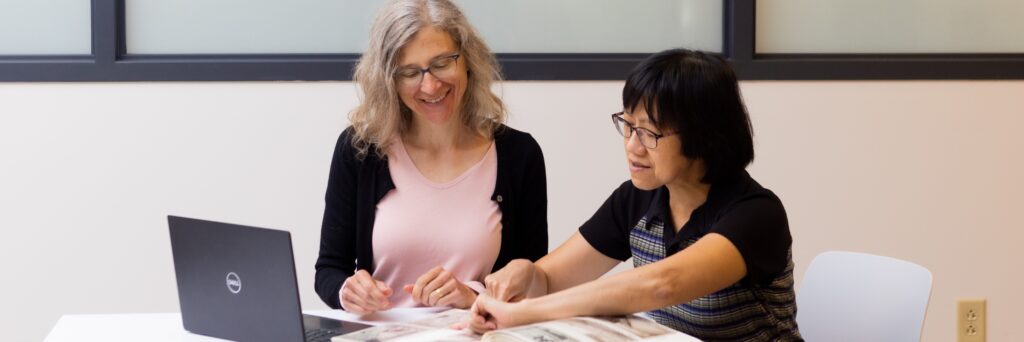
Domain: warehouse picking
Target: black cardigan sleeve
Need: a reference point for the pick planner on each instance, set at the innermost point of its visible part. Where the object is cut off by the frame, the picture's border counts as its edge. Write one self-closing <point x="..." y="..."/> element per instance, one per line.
<point x="535" y="210"/>
<point x="525" y="231"/>
<point x="338" y="231"/>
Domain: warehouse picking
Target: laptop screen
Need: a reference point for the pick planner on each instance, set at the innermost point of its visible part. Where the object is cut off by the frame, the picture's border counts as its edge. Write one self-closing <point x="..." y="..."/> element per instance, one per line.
<point x="236" y="282"/>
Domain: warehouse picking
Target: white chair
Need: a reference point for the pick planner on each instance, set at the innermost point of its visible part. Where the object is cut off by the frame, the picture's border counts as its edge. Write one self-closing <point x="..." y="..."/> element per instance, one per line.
<point x="847" y="296"/>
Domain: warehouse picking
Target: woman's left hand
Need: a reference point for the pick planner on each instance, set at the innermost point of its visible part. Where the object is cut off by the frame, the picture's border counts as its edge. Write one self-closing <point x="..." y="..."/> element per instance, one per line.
<point x="489" y="314"/>
<point x="438" y="287"/>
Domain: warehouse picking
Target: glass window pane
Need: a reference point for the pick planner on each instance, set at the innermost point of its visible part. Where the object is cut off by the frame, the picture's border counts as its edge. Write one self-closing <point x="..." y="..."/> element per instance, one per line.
<point x="45" y="27"/>
<point x="594" y="26"/>
<point x="247" y="26"/>
<point x="887" y="26"/>
<point x="342" y="26"/>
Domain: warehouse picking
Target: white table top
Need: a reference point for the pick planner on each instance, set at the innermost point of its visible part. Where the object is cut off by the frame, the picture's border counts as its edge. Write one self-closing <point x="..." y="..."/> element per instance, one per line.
<point x="168" y="327"/>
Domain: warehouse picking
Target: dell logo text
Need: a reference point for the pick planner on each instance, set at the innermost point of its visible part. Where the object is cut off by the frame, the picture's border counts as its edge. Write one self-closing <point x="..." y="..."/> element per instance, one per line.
<point x="234" y="282"/>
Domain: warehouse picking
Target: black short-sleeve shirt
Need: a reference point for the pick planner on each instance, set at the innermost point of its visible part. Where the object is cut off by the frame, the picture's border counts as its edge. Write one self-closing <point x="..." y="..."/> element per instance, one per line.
<point x="759" y="307"/>
<point x="743" y="211"/>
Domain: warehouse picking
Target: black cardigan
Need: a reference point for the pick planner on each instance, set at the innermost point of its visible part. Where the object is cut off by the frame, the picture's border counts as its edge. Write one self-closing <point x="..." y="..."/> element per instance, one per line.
<point x="355" y="186"/>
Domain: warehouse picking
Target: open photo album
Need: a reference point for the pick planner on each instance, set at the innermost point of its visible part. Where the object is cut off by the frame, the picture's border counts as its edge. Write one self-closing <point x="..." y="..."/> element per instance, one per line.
<point x="584" y="329"/>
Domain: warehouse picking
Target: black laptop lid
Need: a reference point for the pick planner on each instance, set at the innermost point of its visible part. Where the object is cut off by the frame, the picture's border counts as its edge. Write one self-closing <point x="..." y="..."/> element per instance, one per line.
<point x="236" y="282"/>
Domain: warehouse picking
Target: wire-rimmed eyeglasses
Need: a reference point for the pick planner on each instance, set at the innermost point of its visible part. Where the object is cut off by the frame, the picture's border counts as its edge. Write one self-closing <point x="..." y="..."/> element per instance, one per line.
<point x="647" y="138"/>
<point x="443" y="68"/>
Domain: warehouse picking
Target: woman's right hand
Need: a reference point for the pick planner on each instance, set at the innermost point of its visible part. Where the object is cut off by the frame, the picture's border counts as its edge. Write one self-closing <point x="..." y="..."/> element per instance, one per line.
<point x="363" y="295"/>
<point x="512" y="283"/>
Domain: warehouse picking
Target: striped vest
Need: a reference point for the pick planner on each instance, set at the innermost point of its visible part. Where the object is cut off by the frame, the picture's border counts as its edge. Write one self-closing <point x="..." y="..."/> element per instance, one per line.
<point x="739" y="312"/>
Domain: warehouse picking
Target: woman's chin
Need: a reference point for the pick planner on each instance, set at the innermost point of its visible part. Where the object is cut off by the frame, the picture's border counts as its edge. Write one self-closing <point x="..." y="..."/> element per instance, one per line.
<point x="436" y="117"/>
<point x="643" y="184"/>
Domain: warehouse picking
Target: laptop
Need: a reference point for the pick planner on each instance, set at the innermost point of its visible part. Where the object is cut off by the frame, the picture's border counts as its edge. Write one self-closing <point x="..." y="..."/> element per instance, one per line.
<point x="238" y="283"/>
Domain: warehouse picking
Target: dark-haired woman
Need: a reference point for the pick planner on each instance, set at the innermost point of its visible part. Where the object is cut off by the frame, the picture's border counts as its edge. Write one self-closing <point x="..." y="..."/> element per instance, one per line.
<point x="711" y="247"/>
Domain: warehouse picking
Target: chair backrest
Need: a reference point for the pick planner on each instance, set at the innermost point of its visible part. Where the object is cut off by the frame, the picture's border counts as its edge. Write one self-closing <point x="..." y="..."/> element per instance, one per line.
<point x="847" y="296"/>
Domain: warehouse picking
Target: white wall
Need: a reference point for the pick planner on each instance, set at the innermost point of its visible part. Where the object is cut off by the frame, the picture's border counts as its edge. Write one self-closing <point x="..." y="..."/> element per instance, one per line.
<point x="924" y="171"/>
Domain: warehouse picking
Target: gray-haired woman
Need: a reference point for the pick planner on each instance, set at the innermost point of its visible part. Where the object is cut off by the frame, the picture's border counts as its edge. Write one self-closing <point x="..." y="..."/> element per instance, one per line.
<point x="428" y="192"/>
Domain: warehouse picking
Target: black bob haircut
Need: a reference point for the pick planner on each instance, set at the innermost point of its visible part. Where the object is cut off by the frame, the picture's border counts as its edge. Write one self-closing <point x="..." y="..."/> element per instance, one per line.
<point x="696" y="95"/>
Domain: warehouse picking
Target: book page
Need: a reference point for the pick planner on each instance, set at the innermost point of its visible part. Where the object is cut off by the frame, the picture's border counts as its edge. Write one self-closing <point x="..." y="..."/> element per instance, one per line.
<point x="584" y="329"/>
<point x="385" y="332"/>
<point x="637" y="326"/>
<point x="532" y="333"/>
<point x="444" y="320"/>
<point x="591" y="329"/>
<point x="596" y="330"/>
<point x="434" y="328"/>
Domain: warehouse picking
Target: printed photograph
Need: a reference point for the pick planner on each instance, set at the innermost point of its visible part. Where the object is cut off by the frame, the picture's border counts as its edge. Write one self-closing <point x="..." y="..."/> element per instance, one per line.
<point x="444" y="319"/>
<point x="596" y="330"/>
<point x="382" y="333"/>
<point x="539" y="334"/>
<point x="640" y="327"/>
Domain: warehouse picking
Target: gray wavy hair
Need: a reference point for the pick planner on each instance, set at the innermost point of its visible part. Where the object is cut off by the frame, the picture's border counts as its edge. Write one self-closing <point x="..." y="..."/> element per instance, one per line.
<point x="381" y="114"/>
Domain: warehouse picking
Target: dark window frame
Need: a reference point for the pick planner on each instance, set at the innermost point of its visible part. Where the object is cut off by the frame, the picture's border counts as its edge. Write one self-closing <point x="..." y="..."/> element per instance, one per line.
<point x="750" y="65"/>
<point x="109" y="61"/>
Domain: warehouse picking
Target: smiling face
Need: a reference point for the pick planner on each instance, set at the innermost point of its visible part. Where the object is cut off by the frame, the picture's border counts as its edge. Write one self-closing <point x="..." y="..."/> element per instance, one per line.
<point x="650" y="169"/>
<point x="435" y="100"/>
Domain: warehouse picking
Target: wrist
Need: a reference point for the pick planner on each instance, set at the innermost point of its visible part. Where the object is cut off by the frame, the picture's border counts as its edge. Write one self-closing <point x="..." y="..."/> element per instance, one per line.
<point x="538" y="282"/>
<point x="522" y="262"/>
<point x="471" y="299"/>
<point x="341" y="294"/>
<point x="468" y="296"/>
<point x="529" y="311"/>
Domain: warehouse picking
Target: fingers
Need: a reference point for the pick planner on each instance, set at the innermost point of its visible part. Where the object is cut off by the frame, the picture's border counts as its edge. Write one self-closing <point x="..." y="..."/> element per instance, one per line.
<point x="364" y="294"/>
<point x="498" y="289"/>
<point x="384" y="289"/>
<point x="371" y="290"/>
<point x="511" y="282"/>
<point x="460" y="296"/>
<point x="447" y="290"/>
<point x="492" y="285"/>
<point x="438" y="287"/>
<point x="434" y="285"/>
<point x="446" y="295"/>
<point x="354" y="303"/>
<point x="480" y="321"/>
<point x="476" y="319"/>
<point x="422" y="281"/>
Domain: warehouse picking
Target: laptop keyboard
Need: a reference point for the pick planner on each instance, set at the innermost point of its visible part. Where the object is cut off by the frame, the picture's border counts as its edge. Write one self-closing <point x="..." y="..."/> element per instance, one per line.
<point x="321" y="335"/>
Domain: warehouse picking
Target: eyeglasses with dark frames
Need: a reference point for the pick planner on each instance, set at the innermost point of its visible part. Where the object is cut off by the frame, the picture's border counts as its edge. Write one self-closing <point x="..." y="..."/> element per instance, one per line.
<point x="647" y="137"/>
<point x="442" y="68"/>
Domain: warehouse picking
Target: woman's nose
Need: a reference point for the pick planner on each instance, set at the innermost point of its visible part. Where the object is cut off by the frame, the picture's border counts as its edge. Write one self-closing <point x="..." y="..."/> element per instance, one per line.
<point x="429" y="84"/>
<point x="633" y="144"/>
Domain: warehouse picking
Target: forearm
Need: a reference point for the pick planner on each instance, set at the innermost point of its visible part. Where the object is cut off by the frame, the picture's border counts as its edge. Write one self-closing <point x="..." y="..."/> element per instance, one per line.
<point x="539" y="285"/>
<point x="628" y="292"/>
<point x="708" y="265"/>
<point x="573" y="263"/>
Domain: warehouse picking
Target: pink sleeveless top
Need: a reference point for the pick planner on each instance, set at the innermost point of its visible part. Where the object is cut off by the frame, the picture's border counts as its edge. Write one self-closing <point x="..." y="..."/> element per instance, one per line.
<point x="421" y="224"/>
